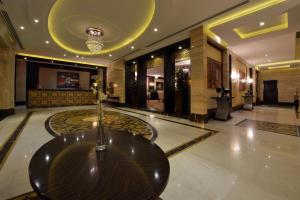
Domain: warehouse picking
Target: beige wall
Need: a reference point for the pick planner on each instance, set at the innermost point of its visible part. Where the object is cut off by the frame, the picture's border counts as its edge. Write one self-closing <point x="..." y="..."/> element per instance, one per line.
<point x="240" y="65"/>
<point x="48" y="78"/>
<point x="20" y="81"/>
<point x="198" y="54"/>
<point x="288" y="83"/>
<point x="215" y="54"/>
<point x="7" y="67"/>
<point x="116" y="74"/>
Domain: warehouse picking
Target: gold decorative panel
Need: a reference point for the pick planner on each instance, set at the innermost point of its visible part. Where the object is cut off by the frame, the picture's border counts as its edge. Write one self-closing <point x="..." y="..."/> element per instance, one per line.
<point x="48" y="98"/>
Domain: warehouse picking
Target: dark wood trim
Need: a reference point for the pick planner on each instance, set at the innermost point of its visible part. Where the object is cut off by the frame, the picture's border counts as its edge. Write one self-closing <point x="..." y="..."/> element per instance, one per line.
<point x="6" y="112"/>
<point x="12" y="140"/>
<point x="169" y="80"/>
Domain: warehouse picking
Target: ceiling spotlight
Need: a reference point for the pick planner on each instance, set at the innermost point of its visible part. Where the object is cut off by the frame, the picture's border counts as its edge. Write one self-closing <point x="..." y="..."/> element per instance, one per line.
<point x="77" y="56"/>
<point x="110" y="55"/>
<point x="134" y="62"/>
<point x="25" y="58"/>
<point x="132" y="47"/>
<point x="152" y="56"/>
<point x="47" y="42"/>
<point x="155" y="29"/>
<point x="36" y="21"/>
<point x="22" y="27"/>
<point x="180" y="47"/>
<point x="262" y="23"/>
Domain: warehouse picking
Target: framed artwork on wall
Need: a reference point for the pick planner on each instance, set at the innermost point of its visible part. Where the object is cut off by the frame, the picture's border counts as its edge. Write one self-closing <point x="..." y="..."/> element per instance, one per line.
<point x="214" y="73"/>
<point x="67" y="80"/>
<point x="242" y="83"/>
<point x="159" y="86"/>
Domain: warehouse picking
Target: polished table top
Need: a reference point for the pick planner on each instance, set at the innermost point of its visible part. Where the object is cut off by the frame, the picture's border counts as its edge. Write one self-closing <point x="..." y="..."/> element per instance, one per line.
<point x="68" y="167"/>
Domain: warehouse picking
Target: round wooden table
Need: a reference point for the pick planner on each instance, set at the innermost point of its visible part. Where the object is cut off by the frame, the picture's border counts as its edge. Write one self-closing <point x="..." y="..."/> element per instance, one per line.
<point x="68" y="167"/>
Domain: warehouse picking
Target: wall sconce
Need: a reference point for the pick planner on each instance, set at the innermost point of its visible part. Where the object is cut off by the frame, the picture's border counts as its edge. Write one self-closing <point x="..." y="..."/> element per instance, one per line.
<point x="235" y="76"/>
<point x="249" y="80"/>
<point x="135" y="75"/>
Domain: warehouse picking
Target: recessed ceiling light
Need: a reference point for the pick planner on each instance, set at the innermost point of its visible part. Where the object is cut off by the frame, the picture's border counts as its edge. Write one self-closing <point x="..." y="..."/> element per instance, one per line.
<point x="96" y="67"/>
<point x="36" y="21"/>
<point x="155" y="29"/>
<point x="77" y="56"/>
<point x="152" y="56"/>
<point x="262" y="23"/>
<point x="52" y="61"/>
<point x="65" y="55"/>
<point x="180" y="47"/>
<point x="25" y="58"/>
<point x="22" y="27"/>
<point x="47" y="42"/>
<point x="134" y="62"/>
<point x="266" y="55"/>
<point x="132" y="47"/>
<point x="110" y="55"/>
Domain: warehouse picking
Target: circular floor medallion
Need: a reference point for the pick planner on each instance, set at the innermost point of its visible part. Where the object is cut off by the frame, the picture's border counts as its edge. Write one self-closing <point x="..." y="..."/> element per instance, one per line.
<point x="75" y="121"/>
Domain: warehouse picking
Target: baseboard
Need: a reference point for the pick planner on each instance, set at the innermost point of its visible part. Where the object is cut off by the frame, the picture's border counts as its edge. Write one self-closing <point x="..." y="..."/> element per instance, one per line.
<point x="198" y="118"/>
<point x="20" y="103"/>
<point x="6" y="112"/>
<point x="289" y="104"/>
<point x="236" y="108"/>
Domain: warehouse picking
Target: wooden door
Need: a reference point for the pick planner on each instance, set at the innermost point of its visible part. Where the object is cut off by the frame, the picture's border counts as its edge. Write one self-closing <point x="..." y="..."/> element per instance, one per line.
<point x="270" y="92"/>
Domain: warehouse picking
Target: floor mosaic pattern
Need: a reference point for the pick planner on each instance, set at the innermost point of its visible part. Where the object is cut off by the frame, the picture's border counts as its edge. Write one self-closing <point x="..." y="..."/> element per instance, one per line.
<point x="271" y="127"/>
<point x="81" y="120"/>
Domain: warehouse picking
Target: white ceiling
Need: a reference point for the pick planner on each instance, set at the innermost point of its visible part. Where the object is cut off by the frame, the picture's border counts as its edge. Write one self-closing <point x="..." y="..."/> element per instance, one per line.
<point x="278" y="45"/>
<point x="170" y="16"/>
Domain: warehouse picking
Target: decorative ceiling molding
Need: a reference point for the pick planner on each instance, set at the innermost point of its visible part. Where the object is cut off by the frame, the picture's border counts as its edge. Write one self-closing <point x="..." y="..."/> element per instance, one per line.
<point x="236" y="15"/>
<point x="54" y="19"/>
<point x="284" y="24"/>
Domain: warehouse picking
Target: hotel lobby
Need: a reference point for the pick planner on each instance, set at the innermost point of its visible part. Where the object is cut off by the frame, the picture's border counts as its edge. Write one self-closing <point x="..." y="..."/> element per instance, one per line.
<point x="150" y="100"/>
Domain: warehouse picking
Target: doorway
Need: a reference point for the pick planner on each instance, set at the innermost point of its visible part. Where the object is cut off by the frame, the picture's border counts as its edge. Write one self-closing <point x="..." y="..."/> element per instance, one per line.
<point x="270" y="92"/>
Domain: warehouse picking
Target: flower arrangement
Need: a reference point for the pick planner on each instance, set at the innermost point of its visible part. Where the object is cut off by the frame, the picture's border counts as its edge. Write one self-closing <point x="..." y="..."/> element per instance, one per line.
<point x="100" y="96"/>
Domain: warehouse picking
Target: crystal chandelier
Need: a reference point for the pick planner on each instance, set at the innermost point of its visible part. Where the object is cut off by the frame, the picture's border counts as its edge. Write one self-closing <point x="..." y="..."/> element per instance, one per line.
<point x="95" y="40"/>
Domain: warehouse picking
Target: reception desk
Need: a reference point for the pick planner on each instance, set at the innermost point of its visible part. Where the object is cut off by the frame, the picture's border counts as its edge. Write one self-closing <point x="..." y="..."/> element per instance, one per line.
<point x="48" y="98"/>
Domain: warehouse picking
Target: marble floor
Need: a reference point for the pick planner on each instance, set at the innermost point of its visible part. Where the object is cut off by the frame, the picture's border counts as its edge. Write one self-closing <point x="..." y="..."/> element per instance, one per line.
<point x="235" y="163"/>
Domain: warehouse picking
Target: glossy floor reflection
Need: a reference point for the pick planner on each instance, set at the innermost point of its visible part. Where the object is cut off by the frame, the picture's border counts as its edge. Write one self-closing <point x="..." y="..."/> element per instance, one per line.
<point x="236" y="163"/>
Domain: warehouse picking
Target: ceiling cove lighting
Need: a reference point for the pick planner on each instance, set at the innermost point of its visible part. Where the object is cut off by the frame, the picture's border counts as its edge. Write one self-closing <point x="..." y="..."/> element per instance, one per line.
<point x="279" y="27"/>
<point x="241" y="13"/>
<point x="280" y="67"/>
<point x="288" y="62"/>
<point x="56" y="59"/>
<point x="52" y="23"/>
